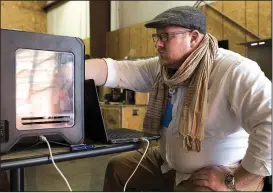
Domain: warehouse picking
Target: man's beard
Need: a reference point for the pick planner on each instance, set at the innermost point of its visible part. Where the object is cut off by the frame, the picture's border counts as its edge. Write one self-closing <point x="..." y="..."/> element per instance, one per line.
<point x="170" y="63"/>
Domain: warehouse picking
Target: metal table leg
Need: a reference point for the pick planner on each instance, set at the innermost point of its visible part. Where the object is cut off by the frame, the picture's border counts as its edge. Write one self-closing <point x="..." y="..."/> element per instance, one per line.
<point x="17" y="180"/>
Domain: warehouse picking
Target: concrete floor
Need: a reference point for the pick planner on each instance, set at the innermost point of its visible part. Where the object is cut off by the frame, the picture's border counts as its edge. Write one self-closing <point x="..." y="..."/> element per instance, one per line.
<point x="83" y="175"/>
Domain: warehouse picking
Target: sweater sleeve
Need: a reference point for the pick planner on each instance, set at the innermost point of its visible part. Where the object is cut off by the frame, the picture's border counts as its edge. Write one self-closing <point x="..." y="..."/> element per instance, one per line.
<point x="250" y="99"/>
<point x="134" y="75"/>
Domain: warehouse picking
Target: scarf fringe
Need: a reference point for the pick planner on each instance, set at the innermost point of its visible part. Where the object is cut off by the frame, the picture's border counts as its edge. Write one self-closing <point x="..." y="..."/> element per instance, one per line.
<point x="191" y="143"/>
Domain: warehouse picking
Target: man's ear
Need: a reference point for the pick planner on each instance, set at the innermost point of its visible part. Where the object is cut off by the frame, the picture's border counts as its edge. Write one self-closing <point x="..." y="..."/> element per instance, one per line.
<point x="195" y="36"/>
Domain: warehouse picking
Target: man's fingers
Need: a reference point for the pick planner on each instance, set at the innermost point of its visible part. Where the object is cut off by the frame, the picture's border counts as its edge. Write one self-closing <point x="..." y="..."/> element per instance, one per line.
<point x="204" y="183"/>
<point x="199" y="177"/>
<point x="200" y="172"/>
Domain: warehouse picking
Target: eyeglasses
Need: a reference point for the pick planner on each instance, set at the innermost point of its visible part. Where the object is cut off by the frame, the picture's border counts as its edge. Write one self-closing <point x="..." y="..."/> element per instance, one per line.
<point x="166" y="35"/>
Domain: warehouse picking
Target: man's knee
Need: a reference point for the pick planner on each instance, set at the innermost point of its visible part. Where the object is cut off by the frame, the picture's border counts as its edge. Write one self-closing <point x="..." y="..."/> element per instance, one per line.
<point x="117" y="172"/>
<point x="120" y="166"/>
<point x="116" y="162"/>
<point x="111" y="166"/>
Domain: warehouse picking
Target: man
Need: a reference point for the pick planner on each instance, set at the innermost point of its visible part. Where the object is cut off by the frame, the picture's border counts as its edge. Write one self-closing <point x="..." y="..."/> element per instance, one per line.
<point x="211" y="106"/>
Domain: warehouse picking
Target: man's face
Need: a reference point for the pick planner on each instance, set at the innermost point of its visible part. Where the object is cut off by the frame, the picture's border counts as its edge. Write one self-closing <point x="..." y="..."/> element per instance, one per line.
<point x="176" y="49"/>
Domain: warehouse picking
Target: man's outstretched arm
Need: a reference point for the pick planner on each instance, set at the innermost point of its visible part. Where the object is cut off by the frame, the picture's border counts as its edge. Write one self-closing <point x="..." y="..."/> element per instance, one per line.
<point x="96" y="69"/>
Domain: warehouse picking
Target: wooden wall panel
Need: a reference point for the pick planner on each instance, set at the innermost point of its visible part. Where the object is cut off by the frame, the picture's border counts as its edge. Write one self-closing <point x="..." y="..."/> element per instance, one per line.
<point x="115" y="46"/>
<point x="265" y="19"/>
<point x="143" y="40"/>
<point x="112" y="116"/>
<point x="141" y="98"/>
<point x="135" y="40"/>
<point x="87" y="46"/>
<point x="253" y="15"/>
<point x="214" y="20"/>
<point x="131" y="121"/>
<point x="112" y="44"/>
<point x="232" y="33"/>
<point x="108" y="43"/>
<point x="117" y="116"/>
<point x="124" y="42"/>
<point x="252" y="11"/>
<point x="235" y="10"/>
<point x="235" y="36"/>
<point x="150" y="44"/>
<point x="24" y="15"/>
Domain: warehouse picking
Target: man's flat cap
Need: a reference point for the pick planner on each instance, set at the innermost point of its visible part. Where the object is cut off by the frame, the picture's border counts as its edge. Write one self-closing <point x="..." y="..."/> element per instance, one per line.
<point x="184" y="16"/>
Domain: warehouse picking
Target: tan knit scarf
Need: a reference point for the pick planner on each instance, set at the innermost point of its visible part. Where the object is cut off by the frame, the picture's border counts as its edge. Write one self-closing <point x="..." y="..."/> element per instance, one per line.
<point x="193" y="73"/>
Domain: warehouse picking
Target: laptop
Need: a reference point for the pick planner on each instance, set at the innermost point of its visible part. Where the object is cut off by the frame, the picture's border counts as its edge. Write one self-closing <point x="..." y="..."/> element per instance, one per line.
<point x="94" y="123"/>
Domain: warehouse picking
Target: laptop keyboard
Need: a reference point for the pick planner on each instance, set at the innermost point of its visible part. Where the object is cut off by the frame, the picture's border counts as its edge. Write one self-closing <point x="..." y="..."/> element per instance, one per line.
<point x="120" y="133"/>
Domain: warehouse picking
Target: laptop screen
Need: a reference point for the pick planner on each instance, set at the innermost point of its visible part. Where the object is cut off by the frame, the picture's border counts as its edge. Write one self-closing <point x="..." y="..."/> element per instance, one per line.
<point x="93" y="118"/>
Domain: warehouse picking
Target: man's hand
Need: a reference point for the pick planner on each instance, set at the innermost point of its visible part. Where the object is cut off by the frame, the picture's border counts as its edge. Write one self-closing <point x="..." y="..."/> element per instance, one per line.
<point x="212" y="177"/>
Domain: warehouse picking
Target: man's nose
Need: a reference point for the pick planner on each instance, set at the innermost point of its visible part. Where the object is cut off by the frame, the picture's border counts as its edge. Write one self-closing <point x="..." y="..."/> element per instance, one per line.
<point x="159" y="43"/>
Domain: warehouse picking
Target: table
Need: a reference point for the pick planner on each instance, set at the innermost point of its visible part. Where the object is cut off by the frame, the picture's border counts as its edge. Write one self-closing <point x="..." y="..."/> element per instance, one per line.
<point x="17" y="161"/>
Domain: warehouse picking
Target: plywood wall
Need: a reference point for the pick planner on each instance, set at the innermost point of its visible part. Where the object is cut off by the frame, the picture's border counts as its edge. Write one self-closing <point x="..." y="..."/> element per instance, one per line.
<point x="87" y="46"/>
<point x="255" y="16"/>
<point x="136" y="40"/>
<point x="24" y="15"/>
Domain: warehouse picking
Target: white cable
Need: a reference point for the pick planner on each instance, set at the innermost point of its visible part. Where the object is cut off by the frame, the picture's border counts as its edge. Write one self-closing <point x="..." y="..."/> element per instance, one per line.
<point x="148" y="143"/>
<point x="43" y="138"/>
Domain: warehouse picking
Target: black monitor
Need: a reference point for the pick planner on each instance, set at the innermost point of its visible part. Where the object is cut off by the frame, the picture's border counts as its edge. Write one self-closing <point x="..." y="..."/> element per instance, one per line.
<point x="42" y="88"/>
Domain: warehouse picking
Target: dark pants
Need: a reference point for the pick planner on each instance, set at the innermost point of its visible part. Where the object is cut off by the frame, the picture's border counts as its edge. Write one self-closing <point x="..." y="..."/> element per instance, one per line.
<point x="149" y="177"/>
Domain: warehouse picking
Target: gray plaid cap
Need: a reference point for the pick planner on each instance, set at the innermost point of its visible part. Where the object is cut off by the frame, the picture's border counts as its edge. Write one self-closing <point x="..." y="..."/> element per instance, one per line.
<point x="184" y="16"/>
